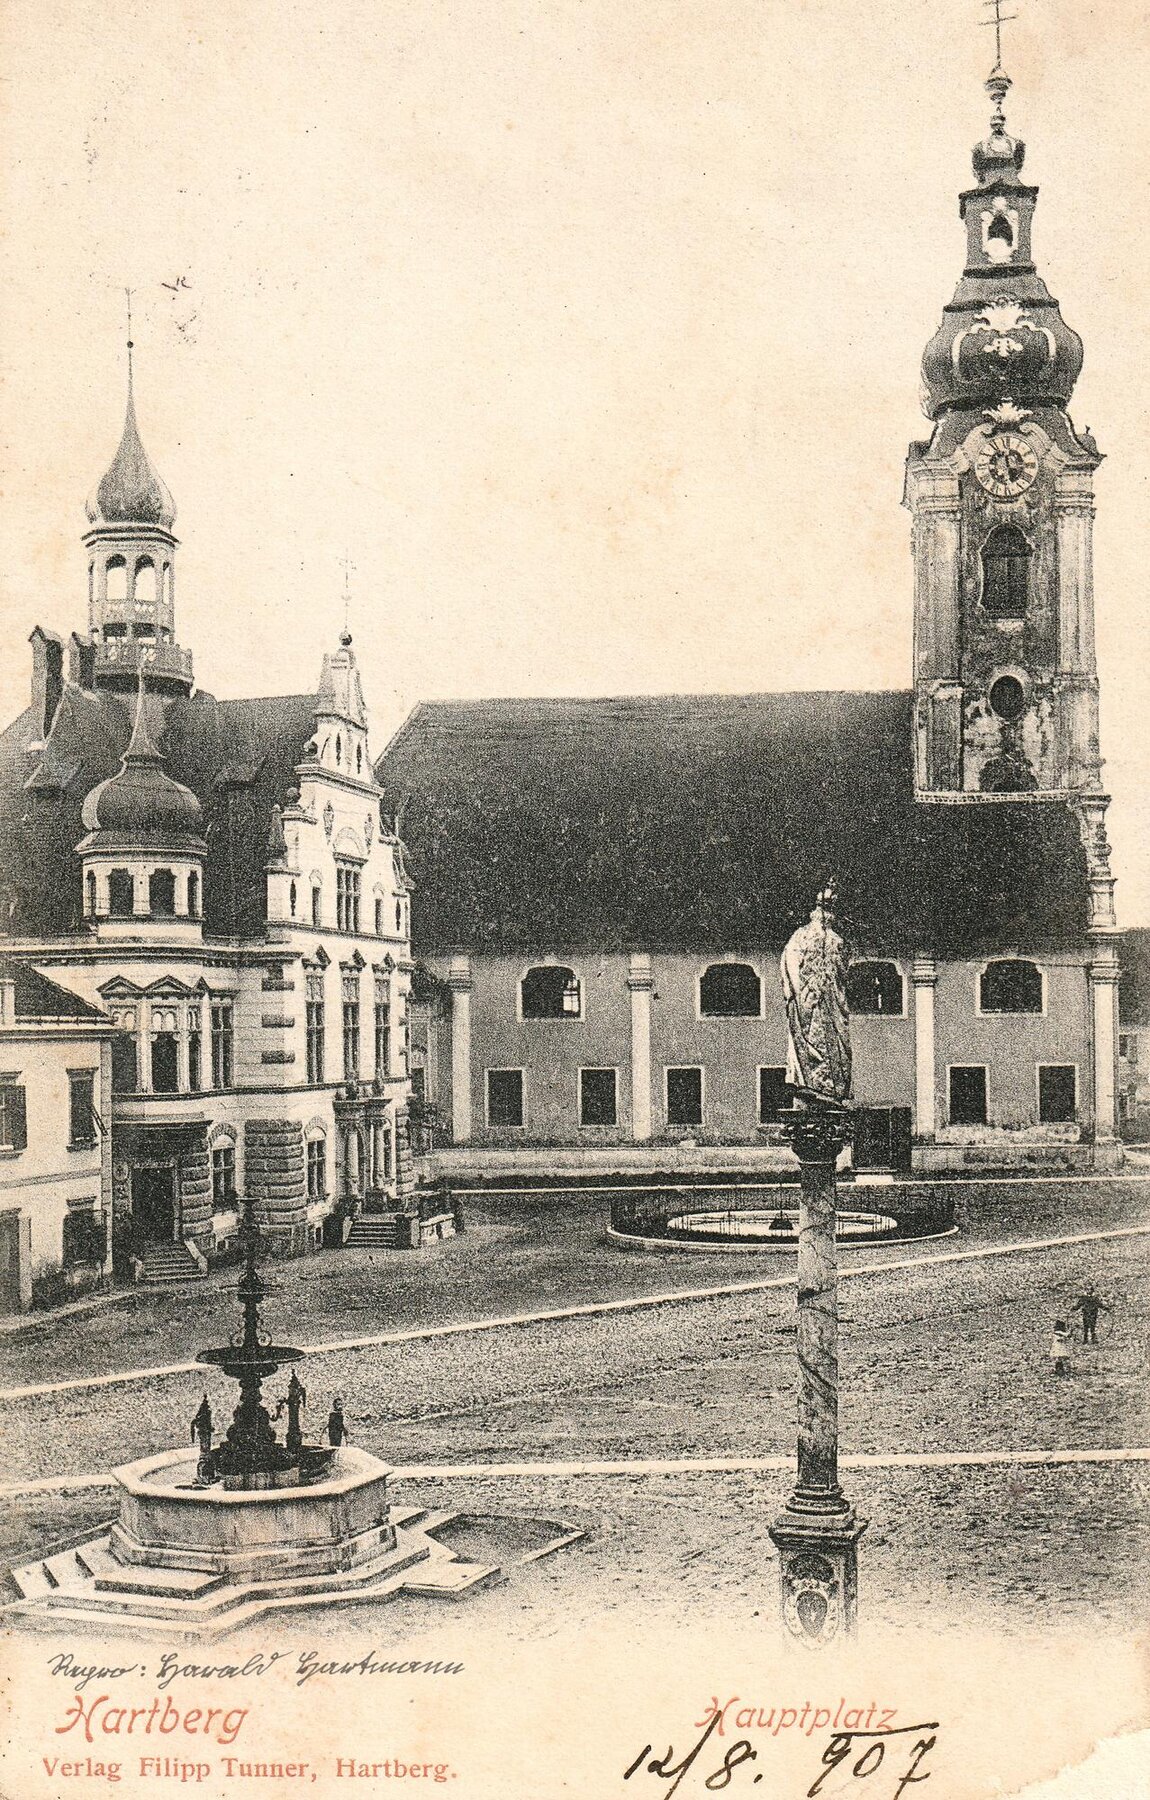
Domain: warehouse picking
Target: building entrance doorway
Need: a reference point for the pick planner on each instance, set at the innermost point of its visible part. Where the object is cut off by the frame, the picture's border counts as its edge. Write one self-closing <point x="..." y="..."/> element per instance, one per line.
<point x="154" y="1202"/>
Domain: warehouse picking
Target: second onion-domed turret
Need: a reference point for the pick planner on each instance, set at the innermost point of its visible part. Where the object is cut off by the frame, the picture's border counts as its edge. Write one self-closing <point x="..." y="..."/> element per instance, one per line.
<point x="141" y="803"/>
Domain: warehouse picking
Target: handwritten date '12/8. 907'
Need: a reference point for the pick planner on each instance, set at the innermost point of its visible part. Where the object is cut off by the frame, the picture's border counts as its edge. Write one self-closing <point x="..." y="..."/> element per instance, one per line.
<point x="901" y="1750"/>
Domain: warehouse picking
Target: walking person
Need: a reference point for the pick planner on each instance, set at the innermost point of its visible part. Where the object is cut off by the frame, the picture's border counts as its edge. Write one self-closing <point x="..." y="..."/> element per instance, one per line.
<point x="1089" y="1305"/>
<point x="1060" y="1341"/>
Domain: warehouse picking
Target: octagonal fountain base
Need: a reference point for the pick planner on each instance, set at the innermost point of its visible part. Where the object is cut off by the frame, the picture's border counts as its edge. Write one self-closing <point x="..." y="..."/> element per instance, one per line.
<point x="196" y="1562"/>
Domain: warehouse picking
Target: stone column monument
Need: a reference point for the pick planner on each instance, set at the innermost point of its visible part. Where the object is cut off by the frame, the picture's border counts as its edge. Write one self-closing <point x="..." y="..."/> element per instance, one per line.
<point x="817" y="1533"/>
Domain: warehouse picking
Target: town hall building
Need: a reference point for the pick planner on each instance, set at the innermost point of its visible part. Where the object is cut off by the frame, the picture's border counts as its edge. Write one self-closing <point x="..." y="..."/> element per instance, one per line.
<point x="214" y="882"/>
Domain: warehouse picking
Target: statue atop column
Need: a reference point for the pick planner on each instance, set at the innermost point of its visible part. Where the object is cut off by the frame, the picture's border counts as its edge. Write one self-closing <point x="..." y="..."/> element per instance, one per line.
<point x="813" y="970"/>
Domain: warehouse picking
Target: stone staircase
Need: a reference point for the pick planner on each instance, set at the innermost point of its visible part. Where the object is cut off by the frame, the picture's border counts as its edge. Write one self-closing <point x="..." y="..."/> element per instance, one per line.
<point x="166" y="1265"/>
<point x="90" y="1586"/>
<point x="379" y="1231"/>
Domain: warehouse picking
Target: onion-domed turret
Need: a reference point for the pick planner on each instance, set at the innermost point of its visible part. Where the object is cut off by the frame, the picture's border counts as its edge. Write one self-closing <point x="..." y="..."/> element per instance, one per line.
<point x="141" y="803"/>
<point x="131" y="492"/>
<point x="1002" y="336"/>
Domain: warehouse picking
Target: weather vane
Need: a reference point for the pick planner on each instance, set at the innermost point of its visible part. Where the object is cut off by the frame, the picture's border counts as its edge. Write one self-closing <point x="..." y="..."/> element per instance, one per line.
<point x="131" y="346"/>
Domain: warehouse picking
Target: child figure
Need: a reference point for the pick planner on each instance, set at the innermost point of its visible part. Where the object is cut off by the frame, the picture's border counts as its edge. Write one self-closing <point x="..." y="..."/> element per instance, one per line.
<point x="1060" y="1347"/>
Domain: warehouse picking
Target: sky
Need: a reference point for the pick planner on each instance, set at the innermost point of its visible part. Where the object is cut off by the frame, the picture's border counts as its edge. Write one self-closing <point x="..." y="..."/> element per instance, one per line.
<point x="587" y="336"/>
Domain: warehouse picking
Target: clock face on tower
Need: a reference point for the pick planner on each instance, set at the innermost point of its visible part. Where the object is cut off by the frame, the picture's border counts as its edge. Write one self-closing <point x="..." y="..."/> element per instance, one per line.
<point x="1006" y="465"/>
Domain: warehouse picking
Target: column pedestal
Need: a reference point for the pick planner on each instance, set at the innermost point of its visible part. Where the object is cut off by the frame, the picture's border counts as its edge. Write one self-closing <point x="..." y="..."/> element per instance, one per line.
<point x="817" y="1532"/>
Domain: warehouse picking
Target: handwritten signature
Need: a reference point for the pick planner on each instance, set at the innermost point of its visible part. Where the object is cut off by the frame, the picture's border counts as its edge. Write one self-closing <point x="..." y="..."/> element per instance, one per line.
<point x="868" y="1748"/>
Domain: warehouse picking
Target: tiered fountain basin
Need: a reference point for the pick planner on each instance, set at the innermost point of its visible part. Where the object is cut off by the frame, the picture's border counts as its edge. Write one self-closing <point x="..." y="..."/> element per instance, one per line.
<point x="254" y="1534"/>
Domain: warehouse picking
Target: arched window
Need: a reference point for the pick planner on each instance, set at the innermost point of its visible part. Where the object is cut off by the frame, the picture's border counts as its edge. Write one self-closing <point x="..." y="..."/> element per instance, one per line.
<point x="316" y="904"/>
<point x="144" y="588"/>
<point x="875" y="987"/>
<point x="194" y="895"/>
<point x="338" y="750"/>
<point x="90" y="893"/>
<point x="162" y="893"/>
<point x="1012" y="986"/>
<point x="121" y="894"/>
<point x="292" y="898"/>
<point x="166" y="584"/>
<point x="730" y="991"/>
<point x="1005" y="573"/>
<point x="399" y="920"/>
<point x="378" y="917"/>
<point x="116" y="578"/>
<point x="550" y="992"/>
<point x="359" y="759"/>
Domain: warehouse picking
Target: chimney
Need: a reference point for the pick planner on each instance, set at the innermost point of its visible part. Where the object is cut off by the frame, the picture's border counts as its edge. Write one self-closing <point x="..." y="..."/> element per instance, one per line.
<point x="81" y="662"/>
<point x="47" y="677"/>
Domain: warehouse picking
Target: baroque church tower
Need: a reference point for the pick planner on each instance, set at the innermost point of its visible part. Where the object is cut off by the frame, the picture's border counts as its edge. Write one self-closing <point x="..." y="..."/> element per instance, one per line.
<point x="1006" y="687"/>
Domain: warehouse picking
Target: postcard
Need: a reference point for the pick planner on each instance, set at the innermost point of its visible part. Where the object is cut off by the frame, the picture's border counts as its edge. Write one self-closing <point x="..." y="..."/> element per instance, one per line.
<point x="574" y="901"/>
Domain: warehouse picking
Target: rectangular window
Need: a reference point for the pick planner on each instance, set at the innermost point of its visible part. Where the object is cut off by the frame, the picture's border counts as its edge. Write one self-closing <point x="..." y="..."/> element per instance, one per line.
<point x="195" y="1055"/>
<point x="346" y="897"/>
<point x="224" y="1178"/>
<point x="382" y="1027"/>
<point x="223" y="1043"/>
<point x="350" y="991"/>
<point x="81" y="1108"/>
<point x="13" y="1116"/>
<point x="314" y="1010"/>
<point x="84" y="1241"/>
<point x="597" y="1097"/>
<point x="967" y="1095"/>
<point x="773" y="1096"/>
<point x="684" y="1096"/>
<point x="505" y="1096"/>
<point x="1057" y="1093"/>
<point x="316" y="1169"/>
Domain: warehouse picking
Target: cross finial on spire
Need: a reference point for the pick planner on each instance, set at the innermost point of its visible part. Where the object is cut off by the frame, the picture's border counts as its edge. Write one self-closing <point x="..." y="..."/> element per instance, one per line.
<point x="998" y="20"/>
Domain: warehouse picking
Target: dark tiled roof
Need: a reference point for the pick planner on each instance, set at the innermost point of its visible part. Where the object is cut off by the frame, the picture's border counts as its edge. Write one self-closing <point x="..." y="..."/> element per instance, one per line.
<point x="707" y="823"/>
<point x="236" y="756"/>
<point x="39" y="998"/>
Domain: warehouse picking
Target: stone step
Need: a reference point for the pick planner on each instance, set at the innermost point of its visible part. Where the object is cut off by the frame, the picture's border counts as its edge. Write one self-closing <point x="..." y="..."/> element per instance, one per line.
<point x="64" y="1569"/>
<point x="32" y="1582"/>
<point x="96" y="1557"/>
<point x="165" y="1584"/>
<point x="165" y="1264"/>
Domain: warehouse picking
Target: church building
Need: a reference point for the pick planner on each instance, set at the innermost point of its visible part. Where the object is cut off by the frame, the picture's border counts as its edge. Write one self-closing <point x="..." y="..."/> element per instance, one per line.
<point x="604" y="886"/>
<point x="214" y="885"/>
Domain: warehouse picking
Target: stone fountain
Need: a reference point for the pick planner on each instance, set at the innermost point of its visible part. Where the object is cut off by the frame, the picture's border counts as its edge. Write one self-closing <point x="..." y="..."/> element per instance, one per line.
<point x="209" y="1538"/>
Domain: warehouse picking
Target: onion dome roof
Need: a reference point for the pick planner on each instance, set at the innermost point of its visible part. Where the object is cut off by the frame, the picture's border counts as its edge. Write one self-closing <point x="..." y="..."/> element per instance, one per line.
<point x="141" y="800"/>
<point x="1002" y="336"/>
<point x="131" y="492"/>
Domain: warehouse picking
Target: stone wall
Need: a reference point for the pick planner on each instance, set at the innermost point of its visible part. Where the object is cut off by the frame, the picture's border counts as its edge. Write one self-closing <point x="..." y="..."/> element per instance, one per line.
<point x="276" y="1178"/>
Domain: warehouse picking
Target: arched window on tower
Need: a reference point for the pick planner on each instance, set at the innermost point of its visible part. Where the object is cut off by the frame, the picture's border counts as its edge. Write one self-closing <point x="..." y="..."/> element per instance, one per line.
<point x="193" y="895"/>
<point x="121" y="894"/>
<point x="1006" y="573"/>
<point x="162" y="893"/>
<point x="144" y="589"/>
<point x="116" y="578"/>
<point x="90" y="892"/>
